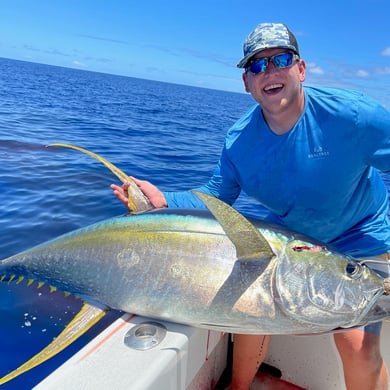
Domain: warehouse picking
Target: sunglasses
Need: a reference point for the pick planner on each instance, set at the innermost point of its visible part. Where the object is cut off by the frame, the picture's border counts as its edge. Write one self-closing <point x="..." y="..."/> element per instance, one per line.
<point x="280" y="61"/>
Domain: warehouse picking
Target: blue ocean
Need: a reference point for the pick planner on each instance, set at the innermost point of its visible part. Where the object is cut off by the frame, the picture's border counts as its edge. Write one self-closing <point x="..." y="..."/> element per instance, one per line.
<point x="169" y="134"/>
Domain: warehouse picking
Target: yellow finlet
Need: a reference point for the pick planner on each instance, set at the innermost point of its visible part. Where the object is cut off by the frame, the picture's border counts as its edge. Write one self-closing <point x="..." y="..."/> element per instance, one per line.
<point x="84" y="320"/>
<point x="138" y="202"/>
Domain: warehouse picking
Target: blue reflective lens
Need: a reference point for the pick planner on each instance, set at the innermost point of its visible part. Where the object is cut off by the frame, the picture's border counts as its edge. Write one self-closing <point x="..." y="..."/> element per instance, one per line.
<point x="259" y="66"/>
<point x="280" y="61"/>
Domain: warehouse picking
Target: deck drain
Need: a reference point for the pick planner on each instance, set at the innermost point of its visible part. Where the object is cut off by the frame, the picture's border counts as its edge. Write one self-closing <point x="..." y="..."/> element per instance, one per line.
<point x="145" y="336"/>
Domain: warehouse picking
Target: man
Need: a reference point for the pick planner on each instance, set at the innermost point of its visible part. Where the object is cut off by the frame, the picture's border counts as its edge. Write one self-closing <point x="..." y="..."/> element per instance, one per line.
<point x="312" y="156"/>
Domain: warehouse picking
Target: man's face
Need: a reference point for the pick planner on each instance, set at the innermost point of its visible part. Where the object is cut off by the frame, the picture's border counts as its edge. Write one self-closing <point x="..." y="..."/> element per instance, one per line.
<point x="275" y="87"/>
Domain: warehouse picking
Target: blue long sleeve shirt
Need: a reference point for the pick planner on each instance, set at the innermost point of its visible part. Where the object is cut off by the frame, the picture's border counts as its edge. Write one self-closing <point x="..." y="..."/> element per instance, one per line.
<point x="322" y="178"/>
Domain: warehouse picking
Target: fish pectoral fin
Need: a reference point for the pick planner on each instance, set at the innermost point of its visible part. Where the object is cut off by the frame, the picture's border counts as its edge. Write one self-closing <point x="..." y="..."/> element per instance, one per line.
<point x="249" y="242"/>
<point x="84" y="320"/>
<point x="138" y="202"/>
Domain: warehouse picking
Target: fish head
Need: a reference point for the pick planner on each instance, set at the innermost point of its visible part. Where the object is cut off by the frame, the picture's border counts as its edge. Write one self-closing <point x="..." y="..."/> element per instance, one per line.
<point x="319" y="286"/>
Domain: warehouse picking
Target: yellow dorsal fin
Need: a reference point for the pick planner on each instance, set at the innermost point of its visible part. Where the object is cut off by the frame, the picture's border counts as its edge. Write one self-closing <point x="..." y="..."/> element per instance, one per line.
<point x="138" y="202"/>
<point x="249" y="242"/>
<point x="84" y="320"/>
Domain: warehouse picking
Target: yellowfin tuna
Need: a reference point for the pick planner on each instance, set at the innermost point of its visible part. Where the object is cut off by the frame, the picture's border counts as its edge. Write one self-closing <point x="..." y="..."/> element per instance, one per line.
<point x="231" y="274"/>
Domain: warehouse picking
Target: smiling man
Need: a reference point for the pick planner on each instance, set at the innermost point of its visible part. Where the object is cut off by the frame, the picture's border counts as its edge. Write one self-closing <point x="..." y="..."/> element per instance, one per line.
<point x="312" y="157"/>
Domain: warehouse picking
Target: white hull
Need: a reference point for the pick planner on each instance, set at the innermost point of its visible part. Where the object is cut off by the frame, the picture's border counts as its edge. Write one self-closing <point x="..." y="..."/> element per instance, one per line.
<point x="194" y="359"/>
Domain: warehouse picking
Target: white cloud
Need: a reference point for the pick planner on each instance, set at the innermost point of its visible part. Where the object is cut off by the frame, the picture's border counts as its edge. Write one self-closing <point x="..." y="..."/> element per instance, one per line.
<point x="313" y="68"/>
<point x="362" y="73"/>
<point x="385" y="70"/>
<point x="79" y="64"/>
<point x="386" y="52"/>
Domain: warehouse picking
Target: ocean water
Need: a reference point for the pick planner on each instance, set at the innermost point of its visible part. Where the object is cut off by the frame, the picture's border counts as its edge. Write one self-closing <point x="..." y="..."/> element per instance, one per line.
<point x="169" y="134"/>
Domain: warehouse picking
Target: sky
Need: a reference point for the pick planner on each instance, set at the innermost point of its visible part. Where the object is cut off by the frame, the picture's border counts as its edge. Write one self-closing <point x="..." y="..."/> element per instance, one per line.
<point x="345" y="43"/>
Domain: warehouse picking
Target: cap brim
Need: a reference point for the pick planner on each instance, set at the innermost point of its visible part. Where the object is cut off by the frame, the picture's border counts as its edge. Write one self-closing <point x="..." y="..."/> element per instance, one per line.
<point x="244" y="61"/>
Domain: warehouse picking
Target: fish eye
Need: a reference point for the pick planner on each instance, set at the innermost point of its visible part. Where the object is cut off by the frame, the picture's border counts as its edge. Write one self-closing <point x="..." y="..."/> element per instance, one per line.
<point x="354" y="269"/>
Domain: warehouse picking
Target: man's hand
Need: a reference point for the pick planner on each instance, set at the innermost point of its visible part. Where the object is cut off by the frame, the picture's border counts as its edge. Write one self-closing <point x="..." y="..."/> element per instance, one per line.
<point x="155" y="196"/>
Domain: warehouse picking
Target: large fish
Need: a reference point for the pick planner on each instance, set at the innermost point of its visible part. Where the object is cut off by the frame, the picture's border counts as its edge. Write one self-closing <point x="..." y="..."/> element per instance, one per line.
<point x="215" y="270"/>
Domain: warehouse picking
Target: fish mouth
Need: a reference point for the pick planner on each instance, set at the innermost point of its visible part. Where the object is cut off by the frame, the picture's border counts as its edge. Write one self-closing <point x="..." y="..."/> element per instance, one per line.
<point x="379" y="311"/>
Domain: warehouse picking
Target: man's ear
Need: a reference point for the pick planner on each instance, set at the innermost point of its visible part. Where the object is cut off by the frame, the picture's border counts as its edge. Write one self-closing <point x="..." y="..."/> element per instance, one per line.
<point x="302" y="70"/>
<point x="245" y="80"/>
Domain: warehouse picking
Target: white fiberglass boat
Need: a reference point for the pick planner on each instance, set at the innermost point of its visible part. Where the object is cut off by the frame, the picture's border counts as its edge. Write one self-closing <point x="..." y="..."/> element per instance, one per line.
<point x="141" y="354"/>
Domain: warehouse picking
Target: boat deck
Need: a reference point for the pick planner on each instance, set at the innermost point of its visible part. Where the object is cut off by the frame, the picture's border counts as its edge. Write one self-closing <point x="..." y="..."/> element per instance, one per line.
<point x="195" y="359"/>
<point x="265" y="381"/>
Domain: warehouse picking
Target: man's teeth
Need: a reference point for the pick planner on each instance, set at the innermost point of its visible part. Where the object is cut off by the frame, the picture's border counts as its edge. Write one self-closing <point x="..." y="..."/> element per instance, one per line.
<point x="273" y="86"/>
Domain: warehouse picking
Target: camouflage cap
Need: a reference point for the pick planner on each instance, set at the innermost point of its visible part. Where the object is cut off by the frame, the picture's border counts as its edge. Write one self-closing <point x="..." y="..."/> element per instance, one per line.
<point x="268" y="36"/>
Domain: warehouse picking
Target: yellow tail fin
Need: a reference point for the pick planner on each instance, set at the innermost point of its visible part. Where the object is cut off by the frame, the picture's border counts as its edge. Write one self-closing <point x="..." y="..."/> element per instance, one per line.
<point x="84" y="320"/>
